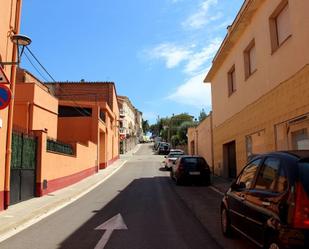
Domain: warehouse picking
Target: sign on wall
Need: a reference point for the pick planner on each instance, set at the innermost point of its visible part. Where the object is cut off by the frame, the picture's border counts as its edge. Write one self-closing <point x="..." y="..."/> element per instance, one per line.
<point x="5" y="96"/>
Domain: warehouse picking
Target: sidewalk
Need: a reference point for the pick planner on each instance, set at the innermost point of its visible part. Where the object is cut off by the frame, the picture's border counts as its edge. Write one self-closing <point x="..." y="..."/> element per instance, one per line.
<point x="220" y="184"/>
<point x="22" y="215"/>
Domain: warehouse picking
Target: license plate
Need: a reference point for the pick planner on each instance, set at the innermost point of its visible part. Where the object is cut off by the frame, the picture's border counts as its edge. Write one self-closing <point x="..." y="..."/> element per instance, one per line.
<point x="194" y="173"/>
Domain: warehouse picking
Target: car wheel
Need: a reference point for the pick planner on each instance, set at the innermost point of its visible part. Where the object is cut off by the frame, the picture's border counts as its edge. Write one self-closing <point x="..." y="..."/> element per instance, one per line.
<point x="273" y="245"/>
<point x="225" y="223"/>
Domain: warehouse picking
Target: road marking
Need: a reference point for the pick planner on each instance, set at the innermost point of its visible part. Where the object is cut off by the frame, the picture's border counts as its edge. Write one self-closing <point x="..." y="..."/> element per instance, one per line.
<point x="216" y="190"/>
<point x="36" y="219"/>
<point x="114" y="223"/>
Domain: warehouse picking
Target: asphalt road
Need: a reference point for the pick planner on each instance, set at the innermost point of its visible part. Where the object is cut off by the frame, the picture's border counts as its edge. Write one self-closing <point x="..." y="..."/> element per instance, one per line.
<point x="154" y="210"/>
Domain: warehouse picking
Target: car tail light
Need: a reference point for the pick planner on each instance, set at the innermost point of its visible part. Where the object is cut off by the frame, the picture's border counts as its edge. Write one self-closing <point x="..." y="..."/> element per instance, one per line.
<point x="301" y="211"/>
<point x="180" y="167"/>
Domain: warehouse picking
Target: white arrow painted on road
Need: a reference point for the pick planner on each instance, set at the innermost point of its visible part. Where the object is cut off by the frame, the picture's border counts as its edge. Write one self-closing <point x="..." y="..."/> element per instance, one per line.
<point x="114" y="223"/>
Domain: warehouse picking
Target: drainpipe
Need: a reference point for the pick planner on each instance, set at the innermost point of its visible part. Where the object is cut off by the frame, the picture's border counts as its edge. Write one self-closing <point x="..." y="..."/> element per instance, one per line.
<point x="10" y="112"/>
<point x="212" y="145"/>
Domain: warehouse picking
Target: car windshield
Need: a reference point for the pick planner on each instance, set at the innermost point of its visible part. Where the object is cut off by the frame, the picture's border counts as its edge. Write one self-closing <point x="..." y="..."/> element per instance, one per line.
<point x="176" y="155"/>
<point x="304" y="175"/>
<point x="194" y="162"/>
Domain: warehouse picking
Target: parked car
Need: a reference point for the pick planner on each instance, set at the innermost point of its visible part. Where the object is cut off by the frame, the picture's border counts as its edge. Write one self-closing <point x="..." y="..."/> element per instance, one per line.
<point x="191" y="169"/>
<point x="171" y="158"/>
<point x="269" y="201"/>
<point x="163" y="148"/>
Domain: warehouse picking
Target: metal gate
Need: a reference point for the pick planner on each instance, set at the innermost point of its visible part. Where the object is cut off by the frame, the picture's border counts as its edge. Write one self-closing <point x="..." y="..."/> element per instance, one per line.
<point x="23" y="167"/>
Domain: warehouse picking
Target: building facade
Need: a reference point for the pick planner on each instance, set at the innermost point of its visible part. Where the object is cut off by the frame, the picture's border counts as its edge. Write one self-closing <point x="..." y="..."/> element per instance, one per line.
<point x="129" y="124"/>
<point x="9" y="25"/>
<point x="260" y="84"/>
<point x="59" y="139"/>
<point x="200" y="140"/>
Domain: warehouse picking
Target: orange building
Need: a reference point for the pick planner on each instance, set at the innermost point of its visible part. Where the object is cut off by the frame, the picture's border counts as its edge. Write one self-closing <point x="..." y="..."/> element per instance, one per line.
<point x="260" y="84"/>
<point x="57" y="142"/>
<point x="74" y="95"/>
<point x="9" y="25"/>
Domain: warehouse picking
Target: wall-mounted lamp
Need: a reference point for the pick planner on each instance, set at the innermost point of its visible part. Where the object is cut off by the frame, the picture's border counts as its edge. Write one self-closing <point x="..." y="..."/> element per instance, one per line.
<point x="20" y="41"/>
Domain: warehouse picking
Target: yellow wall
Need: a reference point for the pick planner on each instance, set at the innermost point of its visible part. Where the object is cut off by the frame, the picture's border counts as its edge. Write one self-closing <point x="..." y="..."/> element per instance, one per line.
<point x="271" y="68"/>
<point x="287" y="101"/>
<point x="202" y="140"/>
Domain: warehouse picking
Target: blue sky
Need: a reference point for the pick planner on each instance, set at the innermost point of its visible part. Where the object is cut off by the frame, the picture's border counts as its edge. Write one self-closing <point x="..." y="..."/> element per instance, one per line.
<point x="156" y="51"/>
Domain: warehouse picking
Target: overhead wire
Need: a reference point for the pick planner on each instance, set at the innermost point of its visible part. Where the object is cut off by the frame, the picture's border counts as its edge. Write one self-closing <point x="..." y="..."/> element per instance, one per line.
<point x="84" y="112"/>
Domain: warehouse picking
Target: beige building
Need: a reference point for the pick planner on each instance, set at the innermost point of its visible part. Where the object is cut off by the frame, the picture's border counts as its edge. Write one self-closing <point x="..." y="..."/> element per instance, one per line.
<point x="200" y="140"/>
<point x="260" y="83"/>
<point x="128" y="124"/>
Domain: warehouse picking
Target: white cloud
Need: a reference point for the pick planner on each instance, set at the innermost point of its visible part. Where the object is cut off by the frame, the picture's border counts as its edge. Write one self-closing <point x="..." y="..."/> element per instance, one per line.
<point x="199" y="58"/>
<point x="193" y="92"/>
<point x="172" y="54"/>
<point x="200" y="18"/>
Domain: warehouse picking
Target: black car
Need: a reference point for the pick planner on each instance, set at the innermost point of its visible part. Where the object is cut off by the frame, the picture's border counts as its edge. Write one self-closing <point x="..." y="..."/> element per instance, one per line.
<point x="163" y="148"/>
<point x="191" y="169"/>
<point x="269" y="201"/>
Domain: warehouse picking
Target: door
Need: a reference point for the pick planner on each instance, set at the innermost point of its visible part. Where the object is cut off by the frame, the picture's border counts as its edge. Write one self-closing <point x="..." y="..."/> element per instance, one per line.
<point x="229" y="151"/>
<point x="23" y="167"/>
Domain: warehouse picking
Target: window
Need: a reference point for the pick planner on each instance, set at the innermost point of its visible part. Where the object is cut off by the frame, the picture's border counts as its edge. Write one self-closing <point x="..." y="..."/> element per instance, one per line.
<point x="300" y="139"/>
<point x="272" y="176"/>
<point x="250" y="59"/>
<point x="231" y="81"/>
<point x="279" y="22"/>
<point x="73" y="111"/>
<point x="248" y="174"/>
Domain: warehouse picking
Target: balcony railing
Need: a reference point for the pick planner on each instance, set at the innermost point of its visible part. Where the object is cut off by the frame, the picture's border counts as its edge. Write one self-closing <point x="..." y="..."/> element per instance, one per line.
<point x="121" y="113"/>
<point x="122" y="130"/>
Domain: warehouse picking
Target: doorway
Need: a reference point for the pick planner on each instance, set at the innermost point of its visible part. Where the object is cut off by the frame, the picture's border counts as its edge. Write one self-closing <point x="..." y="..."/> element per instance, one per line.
<point x="229" y="157"/>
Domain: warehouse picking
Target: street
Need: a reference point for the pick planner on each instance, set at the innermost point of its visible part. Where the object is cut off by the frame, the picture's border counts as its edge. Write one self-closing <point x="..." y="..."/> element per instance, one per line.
<point x="149" y="210"/>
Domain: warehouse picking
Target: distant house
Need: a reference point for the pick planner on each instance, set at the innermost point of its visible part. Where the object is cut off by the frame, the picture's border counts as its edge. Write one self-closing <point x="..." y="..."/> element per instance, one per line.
<point x="129" y="124"/>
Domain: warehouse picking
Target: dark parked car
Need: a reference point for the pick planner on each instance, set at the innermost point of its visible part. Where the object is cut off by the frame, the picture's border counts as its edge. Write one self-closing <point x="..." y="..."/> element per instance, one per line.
<point x="164" y="148"/>
<point x="269" y="201"/>
<point x="191" y="169"/>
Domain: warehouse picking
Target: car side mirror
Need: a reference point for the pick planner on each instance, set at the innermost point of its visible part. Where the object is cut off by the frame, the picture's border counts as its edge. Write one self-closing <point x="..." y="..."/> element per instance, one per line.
<point x="238" y="186"/>
<point x="174" y="162"/>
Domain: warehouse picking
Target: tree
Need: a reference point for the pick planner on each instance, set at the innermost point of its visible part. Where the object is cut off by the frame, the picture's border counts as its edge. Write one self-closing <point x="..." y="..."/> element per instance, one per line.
<point x="145" y="125"/>
<point x="182" y="132"/>
<point x="202" y="115"/>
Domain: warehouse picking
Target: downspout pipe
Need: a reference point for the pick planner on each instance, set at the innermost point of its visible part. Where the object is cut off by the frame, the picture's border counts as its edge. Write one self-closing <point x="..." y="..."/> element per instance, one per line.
<point x="11" y="111"/>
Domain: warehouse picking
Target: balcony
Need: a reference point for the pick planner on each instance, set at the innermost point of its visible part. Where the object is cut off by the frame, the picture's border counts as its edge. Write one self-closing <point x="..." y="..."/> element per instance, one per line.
<point x="121" y="113"/>
<point x="122" y="130"/>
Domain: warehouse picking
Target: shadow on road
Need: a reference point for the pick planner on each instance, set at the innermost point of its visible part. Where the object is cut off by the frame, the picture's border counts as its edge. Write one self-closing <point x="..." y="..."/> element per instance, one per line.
<point x="155" y="217"/>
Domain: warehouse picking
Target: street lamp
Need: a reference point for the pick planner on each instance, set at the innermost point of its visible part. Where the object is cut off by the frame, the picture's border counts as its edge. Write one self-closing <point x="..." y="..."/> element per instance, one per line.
<point x="23" y="41"/>
<point x="18" y="40"/>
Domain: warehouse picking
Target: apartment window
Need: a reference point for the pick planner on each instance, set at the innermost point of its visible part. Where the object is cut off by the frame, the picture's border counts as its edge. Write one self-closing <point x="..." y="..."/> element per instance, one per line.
<point x="231" y="81"/>
<point x="250" y="59"/>
<point x="280" y="29"/>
